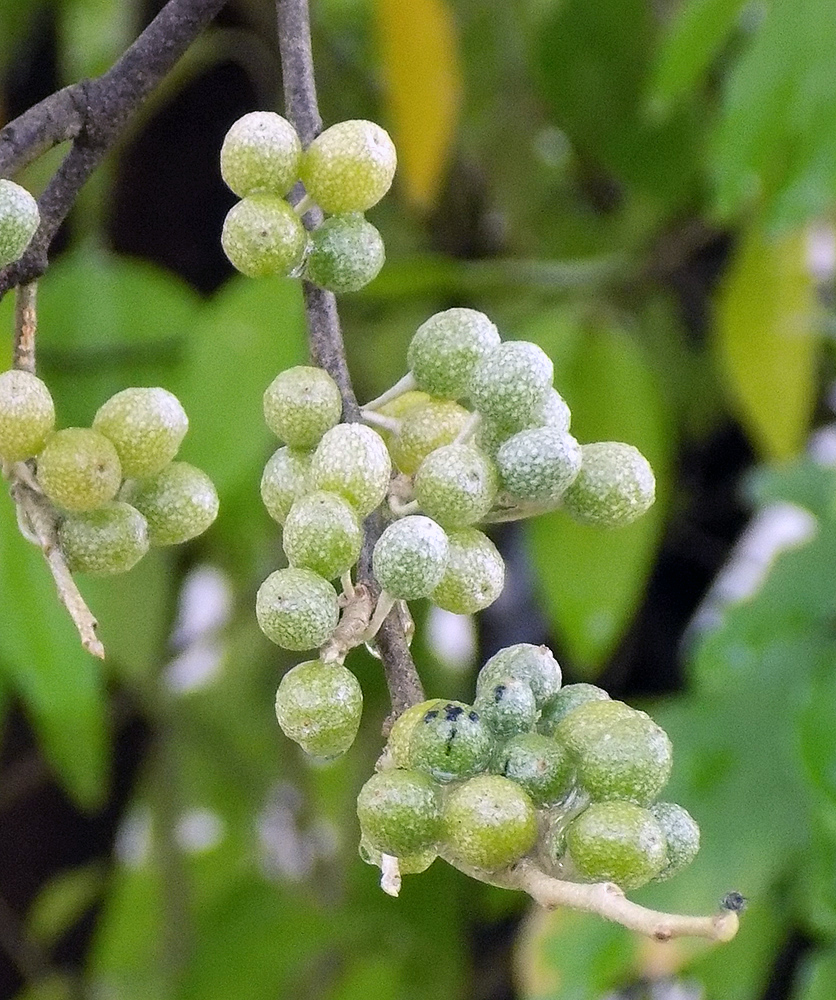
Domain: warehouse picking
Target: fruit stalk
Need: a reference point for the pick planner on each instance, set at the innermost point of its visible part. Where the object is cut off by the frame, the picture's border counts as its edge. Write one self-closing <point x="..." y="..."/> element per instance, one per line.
<point x="26" y="325"/>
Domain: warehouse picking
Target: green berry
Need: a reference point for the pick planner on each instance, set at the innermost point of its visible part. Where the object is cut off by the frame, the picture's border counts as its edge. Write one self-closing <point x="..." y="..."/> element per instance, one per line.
<point x="490" y="436"/>
<point x="535" y="665"/>
<point x="614" y="486"/>
<point x="682" y="836"/>
<point x="318" y="706"/>
<point x="510" y="384"/>
<point x="178" y="503"/>
<point x="507" y="706"/>
<point x="285" y="479"/>
<point x="400" y="812"/>
<point x="346" y="253"/>
<point x="301" y="404"/>
<point x="27" y="415"/>
<point x="617" y="842"/>
<point x="553" y="412"/>
<point x="474" y="576"/>
<point x="19" y="220"/>
<point x="261" y="153"/>
<point x="349" y="167"/>
<point x="446" y="348"/>
<point x="410" y="864"/>
<point x="401" y="732"/>
<point x="538" y="465"/>
<point x="489" y="822"/>
<point x="398" y="408"/>
<point x="565" y="701"/>
<point x="79" y="469"/>
<point x="424" y="429"/>
<point x="322" y="532"/>
<point x="106" y="541"/>
<point x="410" y="557"/>
<point x="450" y="742"/>
<point x="539" y="765"/>
<point x="456" y="485"/>
<point x="297" y="608"/>
<point x="262" y="235"/>
<point x="146" y="427"/>
<point x="353" y="461"/>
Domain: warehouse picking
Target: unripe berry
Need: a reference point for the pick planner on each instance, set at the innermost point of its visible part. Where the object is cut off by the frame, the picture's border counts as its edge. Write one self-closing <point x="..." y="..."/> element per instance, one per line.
<point x="146" y="427"/>
<point x="535" y="665"/>
<point x="262" y="235"/>
<point x="400" y="812"/>
<point x="297" y="608"/>
<point x="398" y="408"/>
<point x="554" y="412"/>
<point x="285" y="479"/>
<point x="474" y="576"/>
<point x="682" y="836"/>
<point x="410" y="864"/>
<point x="318" y="706"/>
<point x="79" y="469"/>
<point x="489" y="822"/>
<point x="565" y="701"/>
<point x="178" y="503"/>
<point x="539" y="765"/>
<point x="446" y="348"/>
<point x="538" y="465"/>
<point x="614" y="487"/>
<point x="27" y="415"/>
<point x="353" y="461"/>
<point x="261" y="153"/>
<point x="490" y="436"/>
<point x="19" y="220"/>
<point x="301" y="404"/>
<point x="507" y="706"/>
<point x="456" y="485"/>
<point x="349" y="167"/>
<point x="617" y="842"/>
<point x="345" y="254"/>
<point x="106" y="541"/>
<point x="450" y="742"/>
<point x="410" y="557"/>
<point x="397" y="745"/>
<point x="322" y="532"/>
<point x="424" y="429"/>
<point x="589" y="722"/>
<point x="510" y="384"/>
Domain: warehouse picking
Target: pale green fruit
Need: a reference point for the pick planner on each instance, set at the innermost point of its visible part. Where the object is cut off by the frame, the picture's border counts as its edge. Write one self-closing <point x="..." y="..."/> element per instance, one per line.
<point x="27" y="415"/>
<point x="349" y="167"/>
<point x="78" y="469"/>
<point x="179" y="503"/>
<point x="565" y="701"/>
<point x="410" y="557"/>
<point x="474" y="576"/>
<point x="456" y="485"/>
<point x="297" y="608"/>
<point x="410" y="864"/>
<point x="446" y="348"/>
<point x="262" y="236"/>
<point x="323" y="533"/>
<point x="617" y="842"/>
<point x="106" y="541"/>
<point x="19" y="221"/>
<point x="353" y="461"/>
<point x="489" y="822"/>
<point x="301" y="404"/>
<point x="424" y="429"/>
<point x="538" y="465"/>
<point x="535" y="665"/>
<point x="507" y="706"/>
<point x="682" y="836"/>
<point x="318" y="706"/>
<point x="284" y="480"/>
<point x="400" y="812"/>
<point x="261" y="153"/>
<point x="510" y="383"/>
<point x="146" y="427"/>
<point x="539" y="765"/>
<point x="450" y="742"/>
<point x="345" y="254"/>
<point x="401" y="732"/>
<point x="614" y="487"/>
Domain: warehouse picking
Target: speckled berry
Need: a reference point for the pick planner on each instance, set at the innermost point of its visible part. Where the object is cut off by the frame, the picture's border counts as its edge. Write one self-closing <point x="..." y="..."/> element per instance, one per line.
<point x="409" y="864"/>
<point x="353" y="461"/>
<point x="446" y="348"/>
<point x="565" y="701"/>
<point x="178" y="503"/>
<point x="535" y="665"/>
<point x="301" y="404"/>
<point x="538" y="465"/>
<point x="474" y="576"/>
<point x="297" y="608"/>
<point x="424" y="429"/>
<point x="322" y="532"/>
<point x="489" y="822"/>
<point x="682" y="836"/>
<point x="510" y="384"/>
<point x="27" y="415"/>
<point x="614" y="487"/>
<point x="345" y="254"/>
<point x="261" y="153"/>
<point x="400" y="812"/>
<point x="398" y="408"/>
<point x="349" y="167"/>
<point x="539" y="765"/>
<point x="318" y="706"/>
<point x="507" y="707"/>
<point x="146" y="427"/>
<point x="450" y="742"/>
<point x="19" y="220"/>
<point x="106" y="541"/>
<point x="79" y="469"/>
<point x="617" y="842"/>
<point x="285" y="479"/>
<point x="456" y="485"/>
<point x="410" y="557"/>
<point x="262" y="235"/>
<point x="397" y="745"/>
<point x="553" y="412"/>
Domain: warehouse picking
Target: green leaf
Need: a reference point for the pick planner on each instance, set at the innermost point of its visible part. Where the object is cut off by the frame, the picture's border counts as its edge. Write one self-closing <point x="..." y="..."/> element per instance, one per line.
<point x="816" y="978"/>
<point x="63" y="901"/>
<point x="802" y="482"/>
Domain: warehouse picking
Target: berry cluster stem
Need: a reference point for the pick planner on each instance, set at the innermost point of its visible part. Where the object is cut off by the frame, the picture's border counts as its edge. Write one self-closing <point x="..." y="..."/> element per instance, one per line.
<point x="26" y="325"/>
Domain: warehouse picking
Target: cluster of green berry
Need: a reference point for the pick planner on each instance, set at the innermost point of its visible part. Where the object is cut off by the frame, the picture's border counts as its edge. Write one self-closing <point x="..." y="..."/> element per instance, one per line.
<point x="346" y="170"/>
<point x="563" y="775"/>
<point x="19" y="219"/>
<point x="115" y="485"/>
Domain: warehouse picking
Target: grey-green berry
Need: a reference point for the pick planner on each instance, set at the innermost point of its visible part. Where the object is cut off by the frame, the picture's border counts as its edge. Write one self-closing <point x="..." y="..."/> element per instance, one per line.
<point x="285" y="479"/>
<point x="146" y="427"/>
<point x="456" y="485"/>
<point x="617" y="842"/>
<point x="79" y="469"/>
<point x="179" y="503"/>
<point x="682" y="836"/>
<point x="346" y="252"/>
<point x="538" y="465"/>
<point x="19" y="220"/>
<point x="410" y="557"/>
<point x="450" y="742"/>
<point x="409" y="864"/>
<point x="301" y="404"/>
<point x="510" y="384"/>
<point x="535" y="665"/>
<point x="539" y="765"/>
<point x="27" y="415"/>
<point x="297" y="608"/>
<point x="323" y="533"/>
<point x="400" y="812"/>
<point x="262" y="236"/>
<point x="507" y="706"/>
<point x="353" y="461"/>
<point x="565" y="701"/>
<point x="106" y="541"/>
<point x="318" y="706"/>
<point x="474" y="576"/>
<point x="401" y="733"/>
<point x="446" y="348"/>
<point x="425" y="428"/>
<point x="349" y="167"/>
<point x="614" y="487"/>
<point x="261" y="153"/>
<point x="553" y="412"/>
<point x="489" y="822"/>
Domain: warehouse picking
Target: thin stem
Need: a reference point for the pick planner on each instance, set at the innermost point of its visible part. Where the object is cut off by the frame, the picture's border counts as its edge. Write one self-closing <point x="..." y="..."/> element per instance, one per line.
<point x="385" y="603"/>
<point x="405" y="384"/>
<point x="351" y="630"/>
<point x="26" y="326"/>
<point x="391" y="424"/>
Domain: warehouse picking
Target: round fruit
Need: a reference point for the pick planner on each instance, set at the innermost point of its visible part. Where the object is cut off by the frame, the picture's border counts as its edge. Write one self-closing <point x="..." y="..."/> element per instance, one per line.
<point x="322" y="532"/>
<point x="297" y="608"/>
<point x="539" y="765"/>
<point x="510" y="384"/>
<point x="535" y="665"/>
<point x="146" y="427"/>
<point x="106" y="541"/>
<point x="353" y="461"/>
<point x="411" y="864"/>
<point x="456" y="485"/>
<point x="474" y="576"/>
<point x="262" y="235"/>
<point x="285" y="479"/>
<point x="538" y="465"/>
<point x="178" y="503"/>
<point x="401" y="732"/>
<point x="261" y="153"/>
<point x="19" y="220"/>
<point x="507" y="706"/>
<point x="27" y="415"/>
<point x="346" y="253"/>
<point x="554" y="412"/>
<point x="617" y="842"/>
<point x="450" y="742"/>
<point x="301" y="404"/>
<point x="589" y="722"/>
<point x="318" y="706"/>
<point x="400" y="812"/>
<point x="614" y="487"/>
<point x="489" y="822"/>
<point x="565" y="701"/>
<point x="79" y="469"/>
<point x="424" y="429"/>
<point x="446" y="348"/>
<point x="410" y="557"/>
<point x="349" y="167"/>
<point x="682" y="836"/>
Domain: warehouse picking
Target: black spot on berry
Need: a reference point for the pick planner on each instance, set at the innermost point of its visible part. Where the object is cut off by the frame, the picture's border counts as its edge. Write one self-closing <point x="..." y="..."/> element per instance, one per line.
<point x="452" y="712"/>
<point x="473" y="716"/>
<point x="430" y="716"/>
<point x="499" y="692"/>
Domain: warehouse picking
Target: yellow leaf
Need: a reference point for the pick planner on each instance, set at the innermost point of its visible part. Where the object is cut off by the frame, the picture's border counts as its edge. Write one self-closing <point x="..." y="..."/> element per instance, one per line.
<point x="423" y="90"/>
<point x="765" y="342"/>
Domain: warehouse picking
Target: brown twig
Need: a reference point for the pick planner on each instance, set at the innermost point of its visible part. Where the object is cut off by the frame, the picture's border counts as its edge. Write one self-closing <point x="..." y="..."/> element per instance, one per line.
<point x="26" y="326"/>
